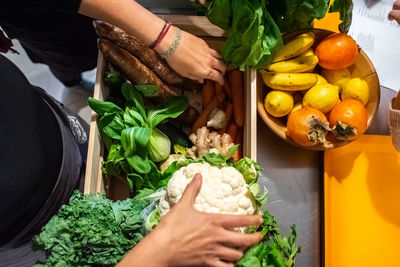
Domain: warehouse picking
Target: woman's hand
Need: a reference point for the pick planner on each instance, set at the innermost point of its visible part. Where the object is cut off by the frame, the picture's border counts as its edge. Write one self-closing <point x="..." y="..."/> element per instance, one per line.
<point x="395" y="13"/>
<point x="193" y="58"/>
<point x="187" y="237"/>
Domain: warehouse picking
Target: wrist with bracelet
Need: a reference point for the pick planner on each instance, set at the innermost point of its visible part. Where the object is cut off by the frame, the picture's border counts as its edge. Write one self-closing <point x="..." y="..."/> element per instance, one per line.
<point x="175" y="43"/>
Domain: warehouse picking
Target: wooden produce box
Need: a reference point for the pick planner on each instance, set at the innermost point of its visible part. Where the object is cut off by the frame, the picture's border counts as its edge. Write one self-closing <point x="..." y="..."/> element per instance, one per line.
<point x="95" y="181"/>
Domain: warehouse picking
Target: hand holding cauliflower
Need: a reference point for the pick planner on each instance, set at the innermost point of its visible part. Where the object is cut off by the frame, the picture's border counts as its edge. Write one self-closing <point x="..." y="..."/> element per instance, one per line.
<point x="186" y="237"/>
<point x="224" y="190"/>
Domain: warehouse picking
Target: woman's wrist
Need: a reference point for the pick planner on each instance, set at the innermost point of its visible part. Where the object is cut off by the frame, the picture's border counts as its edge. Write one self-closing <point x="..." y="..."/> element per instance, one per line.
<point x="167" y="41"/>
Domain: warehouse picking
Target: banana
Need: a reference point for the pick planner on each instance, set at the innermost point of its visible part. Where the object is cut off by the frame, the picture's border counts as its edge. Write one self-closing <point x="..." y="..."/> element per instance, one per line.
<point x="296" y="47"/>
<point x="309" y="52"/>
<point x="299" y="64"/>
<point x="289" y="81"/>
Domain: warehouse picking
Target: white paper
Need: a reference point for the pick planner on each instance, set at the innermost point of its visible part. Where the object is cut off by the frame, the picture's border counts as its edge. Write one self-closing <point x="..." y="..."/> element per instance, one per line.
<point x="379" y="38"/>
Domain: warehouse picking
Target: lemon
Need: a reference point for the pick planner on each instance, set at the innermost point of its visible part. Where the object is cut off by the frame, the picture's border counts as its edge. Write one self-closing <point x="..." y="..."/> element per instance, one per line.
<point x="337" y="77"/>
<point x="321" y="80"/>
<point x="297" y="106"/>
<point x="357" y="89"/>
<point x="322" y="97"/>
<point x="278" y="103"/>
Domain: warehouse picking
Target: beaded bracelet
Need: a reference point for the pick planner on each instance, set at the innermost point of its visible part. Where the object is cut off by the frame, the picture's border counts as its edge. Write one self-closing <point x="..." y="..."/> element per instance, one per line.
<point x="174" y="45"/>
<point x="161" y="36"/>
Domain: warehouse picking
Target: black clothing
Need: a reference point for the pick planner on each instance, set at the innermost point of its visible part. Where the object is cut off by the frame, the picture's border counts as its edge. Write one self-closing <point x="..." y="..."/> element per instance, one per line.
<point x="53" y="33"/>
<point x="31" y="149"/>
<point x="41" y="162"/>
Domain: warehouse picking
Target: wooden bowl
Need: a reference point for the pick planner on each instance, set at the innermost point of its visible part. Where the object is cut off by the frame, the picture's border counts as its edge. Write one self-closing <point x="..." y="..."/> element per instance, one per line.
<point x="362" y="68"/>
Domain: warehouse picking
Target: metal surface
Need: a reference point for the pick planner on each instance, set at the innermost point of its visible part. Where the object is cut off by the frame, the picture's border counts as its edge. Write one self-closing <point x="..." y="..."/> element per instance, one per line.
<point x="292" y="176"/>
<point x="294" y="179"/>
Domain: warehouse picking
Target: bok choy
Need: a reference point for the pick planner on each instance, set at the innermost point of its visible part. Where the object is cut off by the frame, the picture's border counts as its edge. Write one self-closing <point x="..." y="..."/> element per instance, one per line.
<point x="136" y="144"/>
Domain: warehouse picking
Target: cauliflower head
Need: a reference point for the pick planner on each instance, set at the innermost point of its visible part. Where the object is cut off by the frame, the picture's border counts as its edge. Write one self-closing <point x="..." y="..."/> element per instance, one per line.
<point x="224" y="190"/>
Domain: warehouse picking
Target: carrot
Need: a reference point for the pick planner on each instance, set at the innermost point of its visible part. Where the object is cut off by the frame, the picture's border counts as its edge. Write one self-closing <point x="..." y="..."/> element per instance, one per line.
<point x="232" y="129"/>
<point x="218" y="88"/>
<point x="236" y="83"/>
<point x="239" y="141"/>
<point x="228" y="112"/>
<point x="205" y="114"/>
<point x="208" y="92"/>
<point x="228" y="89"/>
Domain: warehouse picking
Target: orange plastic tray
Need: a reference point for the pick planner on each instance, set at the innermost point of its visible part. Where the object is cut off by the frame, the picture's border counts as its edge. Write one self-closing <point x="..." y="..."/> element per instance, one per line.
<point x="362" y="204"/>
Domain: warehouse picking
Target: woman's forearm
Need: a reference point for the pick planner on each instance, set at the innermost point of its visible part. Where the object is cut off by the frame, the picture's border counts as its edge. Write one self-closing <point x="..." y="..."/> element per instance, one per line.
<point x="126" y="14"/>
<point x="189" y="56"/>
<point x="150" y="252"/>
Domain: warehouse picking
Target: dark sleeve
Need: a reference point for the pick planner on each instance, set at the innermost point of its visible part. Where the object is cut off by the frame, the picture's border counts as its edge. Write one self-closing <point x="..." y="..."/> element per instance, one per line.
<point x="40" y="6"/>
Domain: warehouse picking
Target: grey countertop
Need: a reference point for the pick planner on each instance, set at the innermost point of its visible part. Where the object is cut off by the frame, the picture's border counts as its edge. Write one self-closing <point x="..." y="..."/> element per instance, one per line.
<point x="294" y="178"/>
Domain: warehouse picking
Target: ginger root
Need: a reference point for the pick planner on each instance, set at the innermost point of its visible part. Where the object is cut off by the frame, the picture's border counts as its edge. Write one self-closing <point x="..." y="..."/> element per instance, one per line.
<point x="203" y="141"/>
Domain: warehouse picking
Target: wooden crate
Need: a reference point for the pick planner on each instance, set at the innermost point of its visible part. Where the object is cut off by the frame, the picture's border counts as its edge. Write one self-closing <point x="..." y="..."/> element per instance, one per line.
<point x="95" y="181"/>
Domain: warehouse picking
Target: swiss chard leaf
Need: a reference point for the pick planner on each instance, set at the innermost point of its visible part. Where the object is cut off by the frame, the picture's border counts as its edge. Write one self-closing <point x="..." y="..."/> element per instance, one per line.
<point x="112" y="125"/>
<point x="254" y="37"/>
<point x="291" y="15"/>
<point x="345" y="7"/>
<point x="170" y="108"/>
<point x="128" y="142"/>
<point x="101" y="107"/>
<point x="219" y="12"/>
<point x="133" y="99"/>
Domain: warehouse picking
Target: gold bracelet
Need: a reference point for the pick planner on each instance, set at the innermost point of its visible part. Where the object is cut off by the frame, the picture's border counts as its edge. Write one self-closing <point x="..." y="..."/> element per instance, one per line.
<point x="174" y="45"/>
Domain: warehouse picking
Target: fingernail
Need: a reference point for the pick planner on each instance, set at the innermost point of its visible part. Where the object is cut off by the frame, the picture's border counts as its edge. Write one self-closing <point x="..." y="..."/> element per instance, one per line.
<point x="260" y="220"/>
<point x="197" y="177"/>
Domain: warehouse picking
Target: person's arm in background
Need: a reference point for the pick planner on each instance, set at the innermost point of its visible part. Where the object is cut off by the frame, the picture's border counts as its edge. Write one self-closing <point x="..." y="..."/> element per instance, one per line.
<point x="187" y="237"/>
<point x="395" y="13"/>
<point x="193" y="58"/>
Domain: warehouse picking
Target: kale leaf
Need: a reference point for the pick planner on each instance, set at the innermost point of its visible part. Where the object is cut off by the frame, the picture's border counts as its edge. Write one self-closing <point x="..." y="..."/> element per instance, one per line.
<point x="92" y="230"/>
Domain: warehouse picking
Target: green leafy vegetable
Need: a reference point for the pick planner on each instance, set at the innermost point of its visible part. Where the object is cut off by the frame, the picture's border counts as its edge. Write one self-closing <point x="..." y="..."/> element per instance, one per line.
<point x="175" y="135"/>
<point x="103" y="107"/>
<point x="274" y="250"/>
<point x="92" y="230"/>
<point x="345" y="7"/>
<point x="170" y="108"/>
<point x="152" y="220"/>
<point x="148" y="90"/>
<point x="114" y="79"/>
<point x="254" y="37"/>
<point x="249" y="168"/>
<point x="291" y="15"/>
<point x="255" y="26"/>
<point x="219" y="12"/>
<point x="133" y="141"/>
<point x="159" y="146"/>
